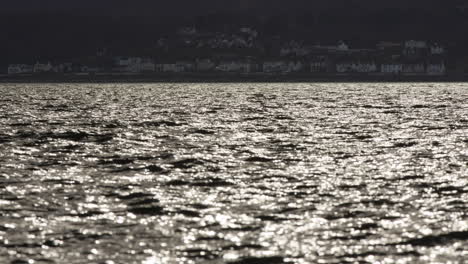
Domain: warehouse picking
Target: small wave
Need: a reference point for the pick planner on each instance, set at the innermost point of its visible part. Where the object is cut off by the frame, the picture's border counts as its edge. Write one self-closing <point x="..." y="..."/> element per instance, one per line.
<point x="147" y="210"/>
<point x="242" y="246"/>
<point x="144" y="202"/>
<point x="73" y="136"/>
<point x="187" y="163"/>
<point x="258" y="159"/>
<point x="212" y="182"/>
<point x="405" y="144"/>
<point x="136" y="195"/>
<point x="118" y="161"/>
<point x="272" y="218"/>
<point x="189" y="213"/>
<point x="435" y="240"/>
<point x="260" y="260"/>
<point x="451" y="190"/>
<point x="201" y="254"/>
<point x="202" y="132"/>
<point x="420" y="106"/>
<point x="5" y="139"/>
<point x="159" y="123"/>
<point x="177" y="183"/>
<point x="363" y="137"/>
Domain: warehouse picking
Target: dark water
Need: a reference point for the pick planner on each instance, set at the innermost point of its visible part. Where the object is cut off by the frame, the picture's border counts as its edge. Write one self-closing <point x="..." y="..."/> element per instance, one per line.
<point x="233" y="173"/>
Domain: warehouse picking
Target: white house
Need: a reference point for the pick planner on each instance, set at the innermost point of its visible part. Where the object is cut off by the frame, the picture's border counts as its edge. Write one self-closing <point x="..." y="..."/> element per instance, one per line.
<point x="186" y="66"/>
<point x="413" y="48"/>
<point x="436" y="68"/>
<point x="133" y="64"/>
<point x="391" y="68"/>
<point x="285" y="51"/>
<point x="147" y="65"/>
<point x="122" y="61"/>
<point x="249" y="31"/>
<point x="415" y="44"/>
<point x="172" y="67"/>
<point x="58" y="68"/>
<point x="436" y="49"/>
<point x="414" y="68"/>
<point x="357" y="67"/>
<point x="100" y="52"/>
<point x="340" y="46"/>
<point x="67" y="67"/>
<point x="318" y="65"/>
<point x="91" y="69"/>
<point x="41" y="67"/>
<point x="234" y="66"/>
<point x="187" y="31"/>
<point x="159" y="67"/>
<point x="275" y="66"/>
<point x="19" y="69"/>
<point x="63" y="67"/>
<point x="205" y="65"/>
<point x="295" y="66"/>
<point x="385" y="45"/>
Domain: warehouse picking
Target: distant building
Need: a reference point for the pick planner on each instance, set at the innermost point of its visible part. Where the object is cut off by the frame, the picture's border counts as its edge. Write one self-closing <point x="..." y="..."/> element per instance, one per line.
<point x="415" y="44"/>
<point x="356" y="67"/>
<point x="295" y="66"/>
<point x="90" y="69"/>
<point x="388" y="45"/>
<point x="19" y="69"/>
<point x="391" y="68"/>
<point x="100" y="52"/>
<point x="275" y="66"/>
<point x="58" y="68"/>
<point x="147" y="65"/>
<point x="159" y="67"/>
<point x="172" y="68"/>
<point x="186" y="66"/>
<point x="415" y="49"/>
<point x="294" y="48"/>
<point x="413" y="68"/>
<point x="205" y="65"/>
<point x="436" y="68"/>
<point x="133" y="64"/>
<point x="437" y="49"/>
<point x="235" y="66"/>
<point x="285" y="52"/>
<point x="63" y="68"/>
<point x="42" y="67"/>
<point x="341" y="46"/>
<point x="187" y="31"/>
<point x="318" y="64"/>
<point x="67" y="67"/>
<point x="249" y="31"/>
<point x="122" y="61"/>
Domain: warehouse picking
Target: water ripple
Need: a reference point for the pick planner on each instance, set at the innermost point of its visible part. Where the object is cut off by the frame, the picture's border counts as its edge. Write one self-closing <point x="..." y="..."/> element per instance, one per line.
<point x="233" y="173"/>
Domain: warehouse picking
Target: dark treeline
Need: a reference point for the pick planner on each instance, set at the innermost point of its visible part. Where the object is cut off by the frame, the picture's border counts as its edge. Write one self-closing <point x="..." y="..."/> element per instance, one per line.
<point x="54" y="36"/>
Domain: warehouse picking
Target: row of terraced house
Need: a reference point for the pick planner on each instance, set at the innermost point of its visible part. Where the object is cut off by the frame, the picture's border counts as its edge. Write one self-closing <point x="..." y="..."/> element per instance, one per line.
<point x="137" y="65"/>
<point x="408" y="58"/>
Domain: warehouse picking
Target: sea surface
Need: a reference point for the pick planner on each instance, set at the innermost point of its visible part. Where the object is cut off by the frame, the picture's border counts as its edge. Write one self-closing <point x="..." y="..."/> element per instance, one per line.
<point x="234" y="173"/>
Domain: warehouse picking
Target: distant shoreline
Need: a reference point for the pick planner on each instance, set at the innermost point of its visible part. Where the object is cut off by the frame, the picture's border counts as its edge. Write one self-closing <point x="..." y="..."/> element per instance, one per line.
<point x="218" y="78"/>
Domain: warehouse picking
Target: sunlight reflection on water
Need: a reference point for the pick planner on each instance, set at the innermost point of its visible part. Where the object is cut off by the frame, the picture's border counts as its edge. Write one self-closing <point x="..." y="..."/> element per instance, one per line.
<point x="236" y="173"/>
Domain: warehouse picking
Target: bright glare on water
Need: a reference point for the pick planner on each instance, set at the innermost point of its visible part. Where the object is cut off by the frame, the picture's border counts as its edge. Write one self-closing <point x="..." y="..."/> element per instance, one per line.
<point x="233" y="173"/>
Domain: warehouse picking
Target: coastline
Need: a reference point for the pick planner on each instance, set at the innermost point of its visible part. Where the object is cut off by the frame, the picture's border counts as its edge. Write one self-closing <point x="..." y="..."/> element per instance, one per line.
<point x="226" y="77"/>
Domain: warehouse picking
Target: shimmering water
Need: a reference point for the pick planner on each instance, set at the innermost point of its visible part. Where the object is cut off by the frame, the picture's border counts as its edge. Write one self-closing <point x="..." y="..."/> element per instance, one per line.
<point x="233" y="173"/>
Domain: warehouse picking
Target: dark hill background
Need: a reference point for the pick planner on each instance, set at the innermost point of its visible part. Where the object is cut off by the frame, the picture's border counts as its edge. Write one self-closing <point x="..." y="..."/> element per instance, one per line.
<point x="58" y="28"/>
<point x="201" y="7"/>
